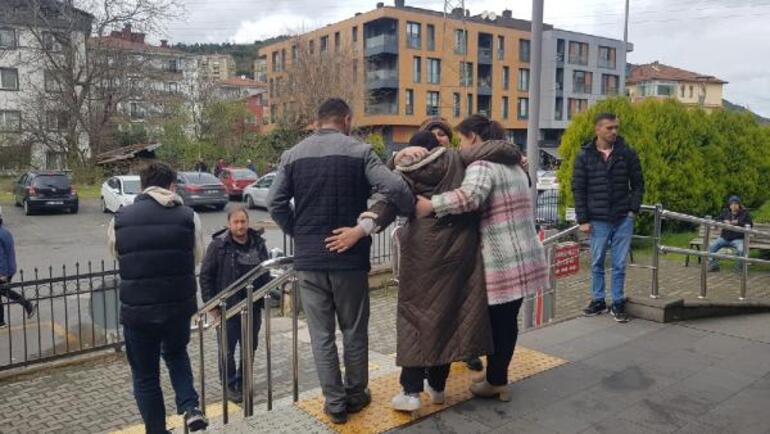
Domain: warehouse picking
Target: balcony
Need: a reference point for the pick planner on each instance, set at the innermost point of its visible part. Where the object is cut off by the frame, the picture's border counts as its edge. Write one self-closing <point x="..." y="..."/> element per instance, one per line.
<point x="559" y="89"/>
<point x="382" y="79"/>
<point x="485" y="86"/>
<point x="385" y="43"/>
<point x="485" y="56"/>
<point x="382" y="108"/>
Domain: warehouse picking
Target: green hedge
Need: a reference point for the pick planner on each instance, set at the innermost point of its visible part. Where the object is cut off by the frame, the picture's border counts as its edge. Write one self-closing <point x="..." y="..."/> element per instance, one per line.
<point x="692" y="160"/>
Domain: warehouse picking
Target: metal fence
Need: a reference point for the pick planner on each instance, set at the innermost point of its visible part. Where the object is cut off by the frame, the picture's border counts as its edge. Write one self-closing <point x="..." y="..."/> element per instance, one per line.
<point x="77" y="312"/>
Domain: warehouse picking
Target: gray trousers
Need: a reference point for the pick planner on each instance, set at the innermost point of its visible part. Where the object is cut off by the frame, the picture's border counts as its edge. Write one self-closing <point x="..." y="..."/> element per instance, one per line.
<point x="344" y="296"/>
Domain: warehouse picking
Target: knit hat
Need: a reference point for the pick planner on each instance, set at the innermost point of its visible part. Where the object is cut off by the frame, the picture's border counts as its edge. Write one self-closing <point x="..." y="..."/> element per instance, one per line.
<point x="424" y="139"/>
<point x="437" y="122"/>
<point x="734" y="198"/>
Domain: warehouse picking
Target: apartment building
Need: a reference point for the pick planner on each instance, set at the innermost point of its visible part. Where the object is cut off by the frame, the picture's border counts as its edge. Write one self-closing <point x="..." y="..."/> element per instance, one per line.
<point x="578" y="70"/>
<point x="252" y="93"/>
<point x="216" y="67"/>
<point x="656" y="80"/>
<point x="412" y="63"/>
<point x="33" y="120"/>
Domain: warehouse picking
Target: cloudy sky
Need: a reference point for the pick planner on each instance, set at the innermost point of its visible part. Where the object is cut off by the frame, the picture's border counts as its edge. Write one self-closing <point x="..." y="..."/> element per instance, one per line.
<point x="726" y="38"/>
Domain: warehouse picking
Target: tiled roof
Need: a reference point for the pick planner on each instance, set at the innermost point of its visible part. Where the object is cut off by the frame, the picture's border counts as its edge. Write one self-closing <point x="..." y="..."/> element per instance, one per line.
<point x="242" y="82"/>
<point x="659" y="71"/>
<point x="122" y="44"/>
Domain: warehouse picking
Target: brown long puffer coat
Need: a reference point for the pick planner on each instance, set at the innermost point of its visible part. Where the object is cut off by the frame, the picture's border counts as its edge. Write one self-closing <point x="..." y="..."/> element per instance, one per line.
<point x="442" y="313"/>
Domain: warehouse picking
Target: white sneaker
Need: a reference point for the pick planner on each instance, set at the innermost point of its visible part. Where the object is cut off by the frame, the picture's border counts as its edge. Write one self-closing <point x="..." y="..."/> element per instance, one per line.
<point x="404" y="402"/>
<point x="435" y="396"/>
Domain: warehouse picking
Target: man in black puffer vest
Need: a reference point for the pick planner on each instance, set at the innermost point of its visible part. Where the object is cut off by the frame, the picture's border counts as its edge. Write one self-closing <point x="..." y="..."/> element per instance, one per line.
<point x="330" y="177"/>
<point x="608" y="186"/>
<point x="158" y="242"/>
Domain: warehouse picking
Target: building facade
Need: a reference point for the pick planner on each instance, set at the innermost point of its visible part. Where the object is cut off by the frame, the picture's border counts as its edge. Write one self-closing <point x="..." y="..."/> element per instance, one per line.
<point x="412" y="63"/>
<point x="578" y="70"/>
<point x="656" y="80"/>
<point x="216" y="67"/>
<point x="37" y="128"/>
<point x="252" y="93"/>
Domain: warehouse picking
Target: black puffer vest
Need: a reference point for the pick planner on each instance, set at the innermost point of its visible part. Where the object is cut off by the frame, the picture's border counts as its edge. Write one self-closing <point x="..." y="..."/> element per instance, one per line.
<point x="155" y="246"/>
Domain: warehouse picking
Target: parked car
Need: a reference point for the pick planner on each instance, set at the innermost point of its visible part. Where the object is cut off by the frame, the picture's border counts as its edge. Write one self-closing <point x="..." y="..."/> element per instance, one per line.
<point x="255" y="195"/>
<point x="119" y="191"/>
<point x="236" y="179"/>
<point x="199" y="189"/>
<point x="46" y="190"/>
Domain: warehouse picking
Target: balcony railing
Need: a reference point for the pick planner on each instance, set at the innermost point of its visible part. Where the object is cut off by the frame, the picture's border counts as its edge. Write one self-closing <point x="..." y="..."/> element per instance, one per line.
<point x="382" y="79"/>
<point x="485" y="87"/>
<point x="485" y="56"/>
<point x="381" y="44"/>
<point x="385" y="108"/>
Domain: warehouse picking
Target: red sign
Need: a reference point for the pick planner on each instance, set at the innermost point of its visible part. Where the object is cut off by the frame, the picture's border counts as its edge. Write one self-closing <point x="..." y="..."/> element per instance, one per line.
<point x="567" y="261"/>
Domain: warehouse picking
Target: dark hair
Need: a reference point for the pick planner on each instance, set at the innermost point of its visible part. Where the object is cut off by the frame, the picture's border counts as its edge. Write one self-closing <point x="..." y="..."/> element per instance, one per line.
<point x="604" y="117"/>
<point x="424" y="139"/>
<point x="333" y="109"/>
<point x="236" y="208"/>
<point x="157" y="174"/>
<point x="483" y="127"/>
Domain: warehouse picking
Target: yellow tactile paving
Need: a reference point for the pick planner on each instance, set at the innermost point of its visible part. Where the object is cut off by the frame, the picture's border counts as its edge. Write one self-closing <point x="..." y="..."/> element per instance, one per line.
<point x="177" y="421"/>
<point x="380" y="417"/>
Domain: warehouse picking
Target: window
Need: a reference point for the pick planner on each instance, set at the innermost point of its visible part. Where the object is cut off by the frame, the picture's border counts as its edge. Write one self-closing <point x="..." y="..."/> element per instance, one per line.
<point x="337" y="42"/>
<point x="432" y="104"/>
<point x="578" y="53"/>
<point x="276" y="62"/>
<point x="431" y="29"/>
<point x="524" y="50"/>
<point x="560" y="50"/>
<point x="690" y="91"/>
<point x="172" y="87"/>
<point x="665" y="90"/>
<point x="523" y="108"/>
<point x="52" y="41"/>
<point x="355" y="70"/>
<point x="51" y="83"/>
<point x="10" y="121"/>
<point x="558" y="109"/>
<point x="469" y="104"/>
<point x="607" y="57"/>
<point x="355" y="34"/>
<point x="505" y="107"/>
<point x="434" y="71"/>
<point x="461" y="41"/>
<point x="409" y="101"/>
<point x="582" y="81"/>
<point x="506" y="78"/>
<point x="560" y="79"/>
<point x="9" y="79"/>
<point x="135" y="111"/>
<point x="324" y="44"/>
<point x="271" y="89"/>
<point x="682" y="87"/>
<point x="172" y="66"/>
<point x="7" y="39"/>
<point x="500" y="47"/>
<point x="524" y="80"/>
<point x="56" y="120"/>
<point x="413" y="37"/>
<point x="312" y="47"/>
<point x="576" y="105"/>
<point x="466" y="73"/>
<point x="456" y="109"/>
<point x="610" y="84"/>
<point x="294" y="53"/>
<point x="416" y="69"/>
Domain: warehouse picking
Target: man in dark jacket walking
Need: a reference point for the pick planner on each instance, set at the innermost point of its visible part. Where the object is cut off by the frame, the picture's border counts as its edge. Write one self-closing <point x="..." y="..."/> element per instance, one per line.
<point x="608" y="186"/>
<point x="735" y="214"/>
<point x="7" y="270"/>
<point x="232" y="253"/>
<point x="330" y="177"/>
<point x="157" y="241"/>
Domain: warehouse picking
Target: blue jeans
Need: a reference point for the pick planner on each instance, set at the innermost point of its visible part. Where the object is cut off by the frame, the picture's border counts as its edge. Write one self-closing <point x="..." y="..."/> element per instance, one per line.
<point x="615" y="236"/>
<point x="235" y="375"/>
<point x="721" y="243"/>
<point x="144" y="348"/>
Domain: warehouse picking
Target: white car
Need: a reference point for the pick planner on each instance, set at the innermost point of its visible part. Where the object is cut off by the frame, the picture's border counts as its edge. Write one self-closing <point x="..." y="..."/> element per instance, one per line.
<point x="119" y="191"/>
<point x="255" y="195"/>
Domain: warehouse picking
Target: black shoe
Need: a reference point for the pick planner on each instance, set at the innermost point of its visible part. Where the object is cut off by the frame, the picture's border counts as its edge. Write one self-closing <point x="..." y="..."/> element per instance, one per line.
<point x="337" y="417"/>
<point x="195" y="420"/>
<point x="3" y="325"/>
<point x="619" y="312"/>
<point x="595" y="308"/>
<point x="235" y="395"/>
<point x="31" y="311"/>
<point x="356" y="405"/>
<point x="474" y="364"/>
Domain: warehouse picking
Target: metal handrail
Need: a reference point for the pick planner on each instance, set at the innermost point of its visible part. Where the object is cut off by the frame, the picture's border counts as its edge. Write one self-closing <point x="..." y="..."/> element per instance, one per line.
<point x="671" y="215"/>
<point x="565" y="233"/>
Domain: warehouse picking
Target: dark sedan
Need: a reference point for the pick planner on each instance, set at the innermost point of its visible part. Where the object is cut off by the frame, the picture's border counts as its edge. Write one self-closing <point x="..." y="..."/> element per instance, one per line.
<point x="46" y="191"/>
<point x="201" y="189"/>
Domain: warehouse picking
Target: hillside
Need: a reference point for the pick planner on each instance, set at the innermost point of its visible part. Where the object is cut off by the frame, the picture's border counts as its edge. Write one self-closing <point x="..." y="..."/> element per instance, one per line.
<point x="244" y="54"/>
<point x="739" y="108"/>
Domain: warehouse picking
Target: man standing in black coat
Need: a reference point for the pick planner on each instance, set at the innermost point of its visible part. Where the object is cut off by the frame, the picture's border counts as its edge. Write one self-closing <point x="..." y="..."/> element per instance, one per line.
<point x="157" y="241"/>
<point x="232" y="253"/>
<point x="608" y="186"/>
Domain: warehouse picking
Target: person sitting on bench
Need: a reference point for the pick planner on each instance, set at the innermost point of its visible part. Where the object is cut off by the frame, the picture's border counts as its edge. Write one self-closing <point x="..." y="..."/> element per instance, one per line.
<point x="735" y="214"/>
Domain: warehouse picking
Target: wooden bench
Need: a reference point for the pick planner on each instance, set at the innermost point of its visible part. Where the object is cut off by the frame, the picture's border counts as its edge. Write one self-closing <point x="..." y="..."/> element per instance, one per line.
<point x="755" y="242"/>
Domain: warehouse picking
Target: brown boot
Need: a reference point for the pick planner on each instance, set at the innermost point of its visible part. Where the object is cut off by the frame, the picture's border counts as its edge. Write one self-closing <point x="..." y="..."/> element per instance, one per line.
<point x="486" y="390"/>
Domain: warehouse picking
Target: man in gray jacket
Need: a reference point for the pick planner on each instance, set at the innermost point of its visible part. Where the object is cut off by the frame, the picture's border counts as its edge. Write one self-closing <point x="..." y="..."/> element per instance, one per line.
<point x="330" y="176"/>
